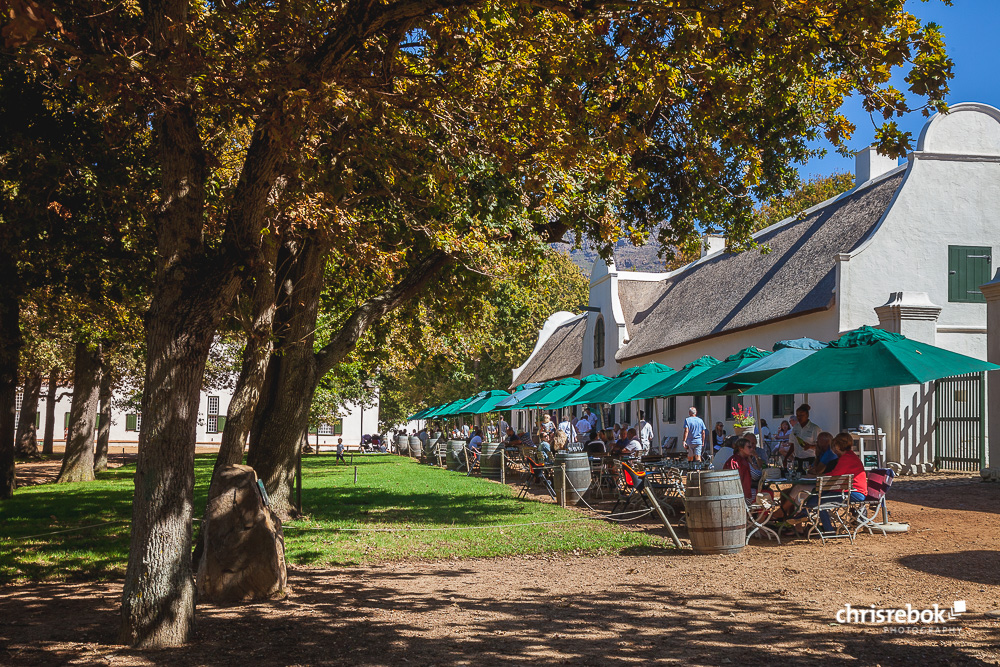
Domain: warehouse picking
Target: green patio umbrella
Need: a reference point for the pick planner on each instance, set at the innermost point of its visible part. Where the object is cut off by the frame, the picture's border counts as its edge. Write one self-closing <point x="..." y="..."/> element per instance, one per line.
<point x="868" y="358"/>
<point x="786" y="353"/>
<point x="628" y="383"/>
<point x="521" y="392"/>
<point x="421" y="414"/>
<point x="702" y="384"/>
<point x="485" y="403"/>
<point x="450" y="409"/>
<point x="587" y="384"/>
<point x="666" y="386"/>
<point x="559" y="390"/>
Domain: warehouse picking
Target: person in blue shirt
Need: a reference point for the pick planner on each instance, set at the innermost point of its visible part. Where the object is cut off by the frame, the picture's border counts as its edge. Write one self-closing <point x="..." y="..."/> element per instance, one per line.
<point x="826" y="456"/>
<point x="694" y="435"/>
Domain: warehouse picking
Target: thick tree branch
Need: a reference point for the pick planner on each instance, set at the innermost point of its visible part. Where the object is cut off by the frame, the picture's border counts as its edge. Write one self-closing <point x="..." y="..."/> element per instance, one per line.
<point x="420" y="273"/>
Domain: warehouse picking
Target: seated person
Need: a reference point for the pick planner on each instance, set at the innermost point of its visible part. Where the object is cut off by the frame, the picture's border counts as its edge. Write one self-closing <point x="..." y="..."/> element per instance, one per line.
<point x="598" y="445"/>
<point x="848" y="463"/>
<point x="725" y="452"/>
<point x="757" y="460"/>
<point x="545" y="447"/>
<point x="476" y="444"/>
<point x="560" y="441"/>
<point x="740" y="461"/>
<point x="632" y="447"/>
<point x="826" y="458"/>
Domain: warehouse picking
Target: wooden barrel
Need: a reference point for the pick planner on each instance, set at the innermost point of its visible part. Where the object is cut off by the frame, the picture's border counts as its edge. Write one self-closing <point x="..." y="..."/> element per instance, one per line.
<point x="577" y="475"/>
<point x="414" y="445"/>
<point x="716" y="511"/>
<point x="490" y="460"/>
<point x="402" y="445"/>
<point x="456" y="454"/>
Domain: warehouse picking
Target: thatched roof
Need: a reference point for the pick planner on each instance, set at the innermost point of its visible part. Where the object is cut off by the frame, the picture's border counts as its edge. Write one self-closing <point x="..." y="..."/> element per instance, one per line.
<point x="559" y="356"/>
<point x="729" y="292"/>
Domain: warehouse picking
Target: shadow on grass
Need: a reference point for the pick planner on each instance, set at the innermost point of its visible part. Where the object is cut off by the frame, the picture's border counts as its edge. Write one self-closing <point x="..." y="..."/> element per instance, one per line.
<point x="370" y="617"/>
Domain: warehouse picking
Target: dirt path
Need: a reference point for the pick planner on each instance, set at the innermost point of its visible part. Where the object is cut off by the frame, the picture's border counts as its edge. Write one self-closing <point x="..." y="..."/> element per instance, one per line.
<point x="769" y="605"/>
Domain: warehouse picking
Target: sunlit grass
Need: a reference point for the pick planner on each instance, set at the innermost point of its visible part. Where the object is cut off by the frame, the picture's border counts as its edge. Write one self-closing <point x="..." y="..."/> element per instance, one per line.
<point x="392" y="494"/>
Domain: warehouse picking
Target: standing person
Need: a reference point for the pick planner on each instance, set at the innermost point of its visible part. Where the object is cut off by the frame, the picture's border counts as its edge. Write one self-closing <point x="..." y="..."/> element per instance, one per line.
<point x="645" y="431"/>
<point x="502" y="428"/>
<point x="804" y="436"/>
<point x="465" y="431"/>
<point x="566" y="426"/>
<point x="583" y="429"/>
<point x="694" y="432"/>
<point x="340" y="451"/>
<point x="547" y="426"/>
<point x="718" y="436"/>
<point x="765" y="436"/>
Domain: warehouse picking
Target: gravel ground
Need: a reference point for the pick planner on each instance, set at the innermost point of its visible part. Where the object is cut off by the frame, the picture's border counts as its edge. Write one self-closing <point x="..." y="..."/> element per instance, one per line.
<point x="768" y="605"/>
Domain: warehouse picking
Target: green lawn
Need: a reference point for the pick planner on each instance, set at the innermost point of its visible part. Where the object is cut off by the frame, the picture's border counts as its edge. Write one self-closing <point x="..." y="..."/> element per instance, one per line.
<point x="391" y="493"/>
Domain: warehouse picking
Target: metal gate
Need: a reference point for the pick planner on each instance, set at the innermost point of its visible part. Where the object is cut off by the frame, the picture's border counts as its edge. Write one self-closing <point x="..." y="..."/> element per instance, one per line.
<point x="960" y="422"/>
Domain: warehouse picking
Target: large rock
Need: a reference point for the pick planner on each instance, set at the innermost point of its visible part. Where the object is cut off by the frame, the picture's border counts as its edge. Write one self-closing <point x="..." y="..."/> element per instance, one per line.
<point x="241" y="555"/>
<point x="990" y="474"/>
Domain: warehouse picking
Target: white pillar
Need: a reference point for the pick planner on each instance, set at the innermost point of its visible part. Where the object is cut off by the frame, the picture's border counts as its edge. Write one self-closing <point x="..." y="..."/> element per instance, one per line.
<point x="906" y="414"/>
<point x="991" y="291"/>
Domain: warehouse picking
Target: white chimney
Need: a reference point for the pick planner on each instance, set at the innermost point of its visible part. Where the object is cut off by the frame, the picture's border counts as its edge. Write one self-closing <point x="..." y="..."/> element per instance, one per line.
<point x="711" y="243"/>
<point x="869" y="164"/>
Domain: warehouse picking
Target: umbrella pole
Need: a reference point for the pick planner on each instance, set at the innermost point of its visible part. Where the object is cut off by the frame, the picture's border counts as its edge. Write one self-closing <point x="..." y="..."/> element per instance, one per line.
<point x="878" y="447"/>
<point x="659" y="440"/>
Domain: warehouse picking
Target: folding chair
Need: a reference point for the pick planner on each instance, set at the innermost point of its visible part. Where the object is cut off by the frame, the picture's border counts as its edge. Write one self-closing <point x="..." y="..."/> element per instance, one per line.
<point x="633" y="482"/>
<point x="471" y="460"/>
<point x="759" y="513"/>
<point x="536" y="472"/>
<point x="866" y="511"/>
<point x="834" y="497"/>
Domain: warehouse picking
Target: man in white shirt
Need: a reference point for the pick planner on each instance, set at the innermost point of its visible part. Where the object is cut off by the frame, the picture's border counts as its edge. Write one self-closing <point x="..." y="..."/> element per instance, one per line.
<point x="566" y="426"/>
<point x="804" y="436"/>
<point x="645" y="431"/>
<point x="592" y="418"/>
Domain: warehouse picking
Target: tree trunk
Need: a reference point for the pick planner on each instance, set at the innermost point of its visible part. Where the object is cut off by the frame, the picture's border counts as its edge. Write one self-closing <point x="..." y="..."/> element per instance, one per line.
<point x="294" y="371"/>
<point x="104" y="421"/>
<point x="78" y="461"/>
<point x="48" y="438"/>
<point x="283" y="413"/>
<point x="255" y="358"/>
<point x="10" y="348"/>
<point x="26" y="442"/>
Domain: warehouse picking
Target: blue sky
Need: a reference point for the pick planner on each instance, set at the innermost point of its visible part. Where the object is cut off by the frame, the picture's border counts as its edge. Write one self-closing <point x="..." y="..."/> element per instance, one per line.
<point x="972" y="36"/>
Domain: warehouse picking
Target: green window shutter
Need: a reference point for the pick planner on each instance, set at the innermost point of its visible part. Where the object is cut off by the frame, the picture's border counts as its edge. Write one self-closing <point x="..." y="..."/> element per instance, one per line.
<point x="38" y="420"/>
<point x="97" y="422"/>
<point x="222" y="423"/>
<point x="338" y="427"/>
<point x="130" y="423"/>
<point x="968" y="268"/>
<point x="65" y="420"/>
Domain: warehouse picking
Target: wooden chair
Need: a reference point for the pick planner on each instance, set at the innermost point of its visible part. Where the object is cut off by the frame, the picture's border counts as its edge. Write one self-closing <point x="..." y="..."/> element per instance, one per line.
<point x="833" y="493"/>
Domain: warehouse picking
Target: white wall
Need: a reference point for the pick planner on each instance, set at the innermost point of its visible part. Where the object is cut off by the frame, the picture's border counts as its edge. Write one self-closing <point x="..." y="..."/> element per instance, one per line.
<point x="119" y="436"/>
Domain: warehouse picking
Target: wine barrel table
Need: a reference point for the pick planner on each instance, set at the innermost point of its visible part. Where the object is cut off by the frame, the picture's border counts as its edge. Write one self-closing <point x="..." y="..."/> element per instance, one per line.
<point x="716" y="511"/>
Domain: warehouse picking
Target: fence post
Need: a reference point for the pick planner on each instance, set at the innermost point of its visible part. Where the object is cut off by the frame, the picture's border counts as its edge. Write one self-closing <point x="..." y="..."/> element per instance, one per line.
<point x="503" y="466"/>
<point x="562" y="498"/>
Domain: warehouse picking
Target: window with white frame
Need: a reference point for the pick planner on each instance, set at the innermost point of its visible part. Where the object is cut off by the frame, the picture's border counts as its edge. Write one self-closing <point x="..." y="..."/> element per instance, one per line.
<point x="213" y="415"/>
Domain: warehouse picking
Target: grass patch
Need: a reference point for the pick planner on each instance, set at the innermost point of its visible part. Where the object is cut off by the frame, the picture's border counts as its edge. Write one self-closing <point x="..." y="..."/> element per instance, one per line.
<point x="391" y="493"/>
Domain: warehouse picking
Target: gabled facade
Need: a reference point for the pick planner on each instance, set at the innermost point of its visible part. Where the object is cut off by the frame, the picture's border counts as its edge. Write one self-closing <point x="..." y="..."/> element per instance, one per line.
<point x="906" y="249"/>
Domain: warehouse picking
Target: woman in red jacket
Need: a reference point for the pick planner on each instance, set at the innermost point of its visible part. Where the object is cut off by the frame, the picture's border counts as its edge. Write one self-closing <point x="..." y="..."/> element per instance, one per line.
<point x="848" y="463"/>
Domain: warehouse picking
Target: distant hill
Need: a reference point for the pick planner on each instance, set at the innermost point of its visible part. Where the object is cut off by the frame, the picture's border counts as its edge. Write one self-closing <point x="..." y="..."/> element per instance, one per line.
<point x="627" y="256"/>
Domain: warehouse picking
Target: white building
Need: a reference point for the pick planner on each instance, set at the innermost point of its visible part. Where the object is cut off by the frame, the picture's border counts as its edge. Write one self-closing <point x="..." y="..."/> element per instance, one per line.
<point x="212" y="408"/>
<point x="906" y="250"/>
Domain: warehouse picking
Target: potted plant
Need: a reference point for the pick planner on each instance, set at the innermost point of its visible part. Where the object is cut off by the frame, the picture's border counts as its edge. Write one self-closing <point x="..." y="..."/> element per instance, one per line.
<point x="743" y="420"/>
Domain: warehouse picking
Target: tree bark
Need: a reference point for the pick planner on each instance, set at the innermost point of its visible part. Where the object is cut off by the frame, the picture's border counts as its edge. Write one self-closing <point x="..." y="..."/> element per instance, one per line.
<point x="294" y="370"/>
<point x="246" y="394"/>
<point x="26" y="442"/>
<point x="283" y="412"/>
<point x="10" y="349"/>
<point x="48" y="438"/>
<point x="104" y="423"/>
<point x="78" y="461"/>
